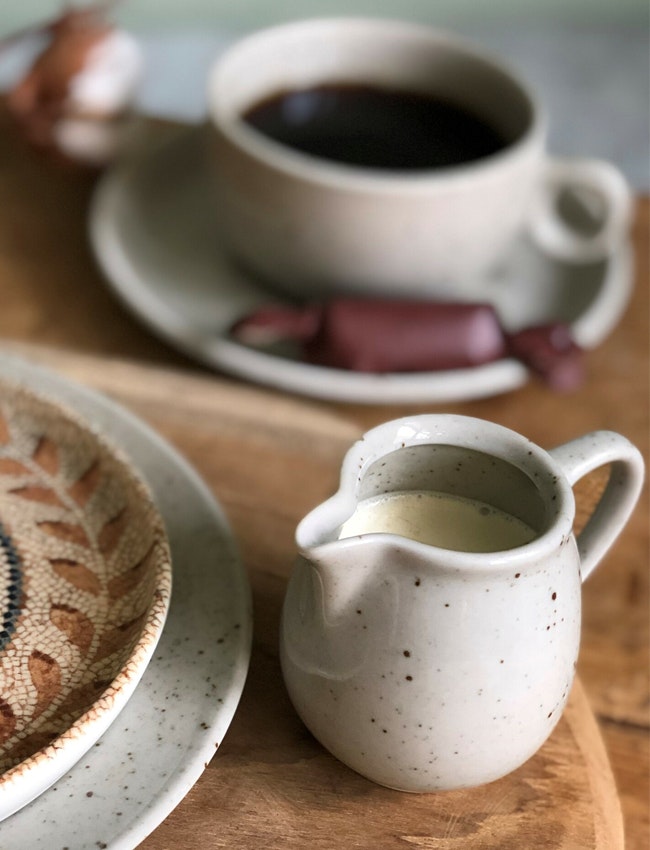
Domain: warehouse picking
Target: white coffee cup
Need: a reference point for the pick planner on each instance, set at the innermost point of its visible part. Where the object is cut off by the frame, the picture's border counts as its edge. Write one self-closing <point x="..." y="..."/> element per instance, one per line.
<point x="314" y="227"/>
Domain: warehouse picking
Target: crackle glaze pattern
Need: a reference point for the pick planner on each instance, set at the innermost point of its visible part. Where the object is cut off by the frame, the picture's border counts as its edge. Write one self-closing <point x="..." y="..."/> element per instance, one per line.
<point x="427" y="669"/>
<point x="161" y="742"/>
<point x="85" y="585"/>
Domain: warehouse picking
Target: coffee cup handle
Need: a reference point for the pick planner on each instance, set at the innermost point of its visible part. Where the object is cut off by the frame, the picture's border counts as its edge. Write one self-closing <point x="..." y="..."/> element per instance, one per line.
<point x="582" y="209"/>
<point x="582" y="456"/>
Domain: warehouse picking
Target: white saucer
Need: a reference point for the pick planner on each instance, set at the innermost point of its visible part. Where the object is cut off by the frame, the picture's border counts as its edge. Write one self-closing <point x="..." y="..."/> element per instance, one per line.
<point x="158" y="746"/>
<point x="154" y="230"/>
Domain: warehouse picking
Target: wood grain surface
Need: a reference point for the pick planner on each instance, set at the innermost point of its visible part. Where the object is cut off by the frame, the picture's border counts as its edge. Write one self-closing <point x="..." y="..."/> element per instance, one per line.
<point x="269" y="458"/>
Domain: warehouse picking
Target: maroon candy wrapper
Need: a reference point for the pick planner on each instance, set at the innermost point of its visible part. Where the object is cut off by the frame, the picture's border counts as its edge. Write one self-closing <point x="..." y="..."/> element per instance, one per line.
<point x="551" y="353"/>
<point x="382" y="336"/>
<point x="374" y="336"/>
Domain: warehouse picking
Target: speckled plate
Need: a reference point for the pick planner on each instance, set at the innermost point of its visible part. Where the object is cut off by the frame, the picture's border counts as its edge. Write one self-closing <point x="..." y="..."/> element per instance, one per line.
<point x="85" y="585"/>
<point x="155" y="233"/>
<point x="158" y="746"/>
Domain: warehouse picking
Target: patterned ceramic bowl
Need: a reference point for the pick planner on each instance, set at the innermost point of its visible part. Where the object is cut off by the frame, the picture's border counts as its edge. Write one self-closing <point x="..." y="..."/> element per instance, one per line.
<point x="85" y="584"/>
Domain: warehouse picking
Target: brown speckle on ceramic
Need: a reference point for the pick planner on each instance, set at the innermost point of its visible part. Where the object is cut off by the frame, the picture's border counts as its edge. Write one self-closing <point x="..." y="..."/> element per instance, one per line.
<point x="461" y="663"/>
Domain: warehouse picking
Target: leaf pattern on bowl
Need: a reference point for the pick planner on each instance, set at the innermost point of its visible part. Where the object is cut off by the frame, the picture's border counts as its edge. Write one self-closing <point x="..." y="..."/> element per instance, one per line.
<point x="85" y="575"/>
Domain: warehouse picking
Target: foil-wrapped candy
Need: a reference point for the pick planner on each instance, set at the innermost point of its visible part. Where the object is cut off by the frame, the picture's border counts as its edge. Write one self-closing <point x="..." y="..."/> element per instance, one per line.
<point x="381" y="336"/>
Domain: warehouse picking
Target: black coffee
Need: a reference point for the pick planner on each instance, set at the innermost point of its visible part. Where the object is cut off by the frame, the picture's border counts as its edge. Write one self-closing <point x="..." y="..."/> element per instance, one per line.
<point x="373" y="127"/>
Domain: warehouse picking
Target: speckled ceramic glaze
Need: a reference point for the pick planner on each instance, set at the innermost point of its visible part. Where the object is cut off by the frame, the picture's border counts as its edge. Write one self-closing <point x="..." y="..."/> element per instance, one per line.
<point x="428" y="669"/>
<point x="85" y="583"/>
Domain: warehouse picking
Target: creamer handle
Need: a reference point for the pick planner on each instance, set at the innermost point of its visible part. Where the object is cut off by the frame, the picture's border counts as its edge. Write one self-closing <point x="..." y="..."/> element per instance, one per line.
<point x="579" y="457"/>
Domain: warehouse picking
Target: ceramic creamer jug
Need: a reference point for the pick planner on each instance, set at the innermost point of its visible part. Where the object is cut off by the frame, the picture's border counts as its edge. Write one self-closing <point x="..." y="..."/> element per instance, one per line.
<point x="427" y="668"/>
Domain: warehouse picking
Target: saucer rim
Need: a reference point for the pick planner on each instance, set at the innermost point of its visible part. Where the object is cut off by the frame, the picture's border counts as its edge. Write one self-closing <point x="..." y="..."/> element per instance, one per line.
<point x="139" y="295"/>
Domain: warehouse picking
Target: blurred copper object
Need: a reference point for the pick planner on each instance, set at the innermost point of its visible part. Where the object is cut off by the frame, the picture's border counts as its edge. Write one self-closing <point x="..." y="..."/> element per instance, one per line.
<point x="77" y="93"/>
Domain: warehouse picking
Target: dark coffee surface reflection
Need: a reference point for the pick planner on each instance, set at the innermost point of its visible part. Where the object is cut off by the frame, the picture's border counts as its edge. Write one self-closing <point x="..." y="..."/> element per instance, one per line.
<point x="373" y="127"/>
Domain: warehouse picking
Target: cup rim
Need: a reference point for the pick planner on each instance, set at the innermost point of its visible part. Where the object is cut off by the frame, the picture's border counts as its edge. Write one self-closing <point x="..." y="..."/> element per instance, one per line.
<point x="321" y="171"/>
<point x="454" y="430"/>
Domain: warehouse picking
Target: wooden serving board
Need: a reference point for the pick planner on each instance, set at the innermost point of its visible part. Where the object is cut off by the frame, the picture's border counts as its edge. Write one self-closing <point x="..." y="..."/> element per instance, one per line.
<point x="269" y="459"/>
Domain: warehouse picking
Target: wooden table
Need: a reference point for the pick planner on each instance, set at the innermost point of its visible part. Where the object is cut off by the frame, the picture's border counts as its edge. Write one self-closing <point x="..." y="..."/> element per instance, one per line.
<point x="55" y="307"/>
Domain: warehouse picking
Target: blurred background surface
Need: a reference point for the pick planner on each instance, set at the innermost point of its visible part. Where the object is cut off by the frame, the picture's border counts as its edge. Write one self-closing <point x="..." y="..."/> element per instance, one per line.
<point x="589" y="60"/>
